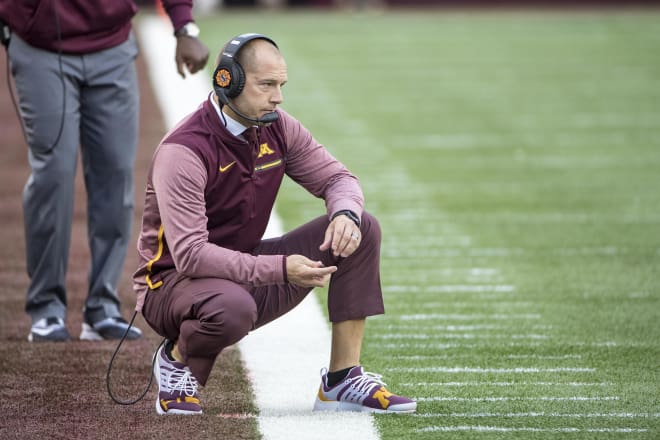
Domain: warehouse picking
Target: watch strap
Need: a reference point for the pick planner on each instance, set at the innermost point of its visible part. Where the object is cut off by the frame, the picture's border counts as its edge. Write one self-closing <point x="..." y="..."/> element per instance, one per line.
<point x="348" y="213"/>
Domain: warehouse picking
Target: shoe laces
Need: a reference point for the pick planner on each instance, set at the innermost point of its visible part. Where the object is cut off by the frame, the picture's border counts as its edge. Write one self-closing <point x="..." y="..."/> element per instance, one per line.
<point x="183" y="381"/>
<point x="366" y="382"/>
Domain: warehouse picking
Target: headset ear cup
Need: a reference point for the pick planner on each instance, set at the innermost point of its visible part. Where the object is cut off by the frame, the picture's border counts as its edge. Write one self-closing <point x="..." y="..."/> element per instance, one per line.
<point x="237" y="81"/>
<point x="222" y="79"/>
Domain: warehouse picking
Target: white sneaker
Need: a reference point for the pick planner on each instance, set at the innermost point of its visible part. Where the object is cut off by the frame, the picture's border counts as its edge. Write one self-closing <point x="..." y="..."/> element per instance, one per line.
<point x="50" y="329"/>
<point x="360" y="391"/>
<point x="109" y="328"/>
<point x="177" y="387"/>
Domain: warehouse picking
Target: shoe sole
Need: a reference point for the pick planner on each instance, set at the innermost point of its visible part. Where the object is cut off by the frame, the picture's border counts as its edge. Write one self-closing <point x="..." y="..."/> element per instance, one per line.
<point x="89" y="334"/>
<point x="335" y="406"/>
<point x="55" y="336"/>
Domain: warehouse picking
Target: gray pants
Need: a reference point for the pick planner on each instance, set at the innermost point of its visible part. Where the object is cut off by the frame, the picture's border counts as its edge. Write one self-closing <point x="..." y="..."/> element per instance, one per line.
<point x="101" y="116"/>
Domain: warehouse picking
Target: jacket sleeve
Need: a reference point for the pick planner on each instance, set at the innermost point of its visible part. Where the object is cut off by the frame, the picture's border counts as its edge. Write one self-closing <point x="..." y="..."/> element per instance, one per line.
<point x="179" y="179"/>
<point x="179" y="11"/>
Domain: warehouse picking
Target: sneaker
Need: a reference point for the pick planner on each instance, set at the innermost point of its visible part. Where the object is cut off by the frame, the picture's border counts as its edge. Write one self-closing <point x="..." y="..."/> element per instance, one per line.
<point x="177" y="387"/>
<point x="360" y="391"/>
<point x="49" y="330"/>
<point x="109" y="328"/>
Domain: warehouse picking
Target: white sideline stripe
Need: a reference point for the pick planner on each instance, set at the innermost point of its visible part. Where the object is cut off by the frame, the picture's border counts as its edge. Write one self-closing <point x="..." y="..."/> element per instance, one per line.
<point x="294" y="347"/>
<point x="177" y="97"/>
<point x="543" y="414"/>
<point x="491" y="370"/>
<point x="518" y="399"/>
<point x="508" y="429"/>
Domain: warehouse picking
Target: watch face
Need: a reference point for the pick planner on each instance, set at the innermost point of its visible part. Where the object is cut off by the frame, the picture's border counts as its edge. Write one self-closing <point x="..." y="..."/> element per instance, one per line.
<point x="190" y="29"/>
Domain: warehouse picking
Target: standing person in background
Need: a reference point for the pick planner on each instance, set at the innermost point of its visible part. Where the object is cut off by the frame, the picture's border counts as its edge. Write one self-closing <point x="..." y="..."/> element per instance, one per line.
<point x="206" y="277"/>
<point x="73" y="65"/>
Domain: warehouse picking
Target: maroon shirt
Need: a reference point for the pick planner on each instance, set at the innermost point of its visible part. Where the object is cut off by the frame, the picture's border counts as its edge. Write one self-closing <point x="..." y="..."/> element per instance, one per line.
<point x="209" y="197"/>
<point x="85" y="26"/>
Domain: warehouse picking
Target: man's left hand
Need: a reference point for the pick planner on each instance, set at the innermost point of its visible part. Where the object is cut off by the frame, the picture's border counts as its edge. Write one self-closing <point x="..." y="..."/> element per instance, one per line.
<point x="190" y="52"/>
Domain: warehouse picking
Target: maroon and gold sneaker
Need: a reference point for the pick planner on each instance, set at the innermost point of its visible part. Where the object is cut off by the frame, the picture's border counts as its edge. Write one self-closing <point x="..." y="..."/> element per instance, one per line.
<point x="177" y="387"/>
<point x="360" y="391"/>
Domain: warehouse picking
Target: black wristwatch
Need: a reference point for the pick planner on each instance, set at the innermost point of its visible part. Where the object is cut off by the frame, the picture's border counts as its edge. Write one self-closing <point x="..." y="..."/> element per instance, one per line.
<point x="348" y="213"/>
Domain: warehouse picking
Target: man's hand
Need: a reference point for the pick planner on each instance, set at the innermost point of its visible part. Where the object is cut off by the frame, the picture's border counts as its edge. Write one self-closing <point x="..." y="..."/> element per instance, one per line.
<point x="190" y="52"/>
<point x="342" y="236"/>
<point x="304" y="272"/>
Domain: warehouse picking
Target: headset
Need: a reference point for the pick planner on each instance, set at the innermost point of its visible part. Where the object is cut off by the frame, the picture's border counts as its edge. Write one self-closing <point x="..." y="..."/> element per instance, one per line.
<point x="229" y="76"/>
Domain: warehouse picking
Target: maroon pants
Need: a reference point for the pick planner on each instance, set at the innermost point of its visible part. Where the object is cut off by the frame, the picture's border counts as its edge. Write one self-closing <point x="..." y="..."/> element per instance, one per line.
<point x="205" y="315"/>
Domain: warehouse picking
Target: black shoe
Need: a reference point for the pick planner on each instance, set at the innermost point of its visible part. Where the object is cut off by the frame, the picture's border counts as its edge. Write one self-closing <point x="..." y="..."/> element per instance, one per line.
<point x="49" y="330"/>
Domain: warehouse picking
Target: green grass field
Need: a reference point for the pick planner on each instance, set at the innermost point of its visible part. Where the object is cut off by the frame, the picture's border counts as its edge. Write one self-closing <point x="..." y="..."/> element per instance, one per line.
<point x="513" y="159"/>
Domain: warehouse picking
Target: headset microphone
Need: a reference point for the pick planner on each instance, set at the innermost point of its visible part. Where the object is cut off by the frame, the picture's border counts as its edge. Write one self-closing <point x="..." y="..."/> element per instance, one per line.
<point x="269" y="118"/>
<point x="265" y="119"/>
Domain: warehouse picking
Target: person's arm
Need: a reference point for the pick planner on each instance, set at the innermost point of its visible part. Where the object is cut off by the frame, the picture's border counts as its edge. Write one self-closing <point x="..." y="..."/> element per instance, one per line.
<point x="179" y="180"/>
<point x="190" y="51"/>
<point x="312" y="166"/>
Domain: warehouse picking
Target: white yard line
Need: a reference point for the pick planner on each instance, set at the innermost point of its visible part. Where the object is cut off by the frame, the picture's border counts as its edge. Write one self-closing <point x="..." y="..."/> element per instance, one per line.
<point x="450" y="288"/>
<point x="617" y="415"/>
<point x="425" y="336"/>
<point x="537" y="356"/>
<point x="480" y="370"/>
<point x="523" y="429"/>
<point x="503" y="384"/>
<point x="467" y="316"/>
<point x="284" y="358"/>
<point x="444" y="346"/>
<point x="519" y="399"/>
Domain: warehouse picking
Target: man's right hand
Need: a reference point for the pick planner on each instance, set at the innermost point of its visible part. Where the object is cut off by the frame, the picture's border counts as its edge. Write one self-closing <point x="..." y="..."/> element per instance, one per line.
<point x="191" y="53"/>
<point x="304" y="272"/>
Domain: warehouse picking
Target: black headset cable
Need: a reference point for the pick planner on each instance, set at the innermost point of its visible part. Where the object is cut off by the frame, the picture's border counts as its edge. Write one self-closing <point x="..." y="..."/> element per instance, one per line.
<point x="109" y="370"/>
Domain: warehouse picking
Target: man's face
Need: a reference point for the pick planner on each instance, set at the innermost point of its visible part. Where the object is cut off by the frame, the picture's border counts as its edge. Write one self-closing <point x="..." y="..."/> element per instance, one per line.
<point x="264" y="78"/>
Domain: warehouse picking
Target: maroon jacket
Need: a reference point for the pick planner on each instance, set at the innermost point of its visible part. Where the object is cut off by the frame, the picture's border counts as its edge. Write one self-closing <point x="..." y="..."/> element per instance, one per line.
<point x="209" y="197"/>
<point x="85" y="26"/>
